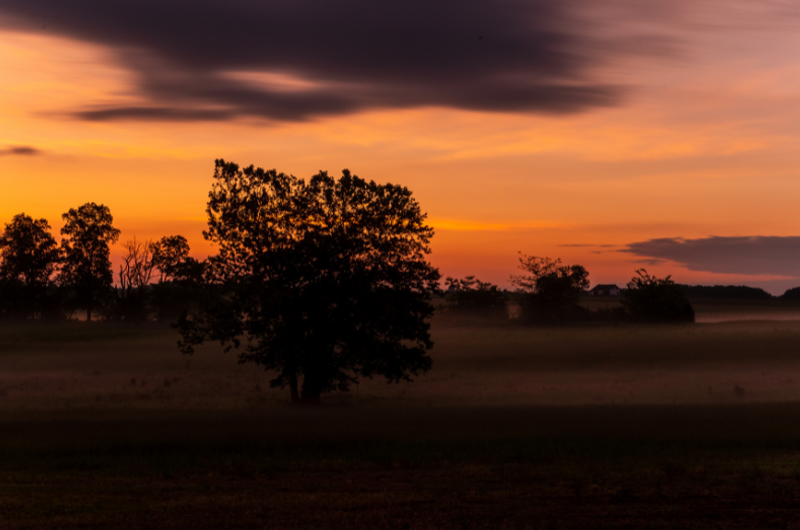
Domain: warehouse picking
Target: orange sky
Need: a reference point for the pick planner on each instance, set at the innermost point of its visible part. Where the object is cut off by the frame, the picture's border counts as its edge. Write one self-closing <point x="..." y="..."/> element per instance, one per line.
<point x="706" y="144"/>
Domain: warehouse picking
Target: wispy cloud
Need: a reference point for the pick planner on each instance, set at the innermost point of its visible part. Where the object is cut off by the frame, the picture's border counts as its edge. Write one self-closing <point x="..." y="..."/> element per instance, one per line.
<point x="587" y="245"/>
<point x="20" y="150"/>
<point x="479" y="226"/>
<point x="754" y="255"/>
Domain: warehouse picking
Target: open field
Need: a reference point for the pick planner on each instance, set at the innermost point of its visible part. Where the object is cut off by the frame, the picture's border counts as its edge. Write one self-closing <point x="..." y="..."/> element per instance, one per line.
<point x="107" y="425"/>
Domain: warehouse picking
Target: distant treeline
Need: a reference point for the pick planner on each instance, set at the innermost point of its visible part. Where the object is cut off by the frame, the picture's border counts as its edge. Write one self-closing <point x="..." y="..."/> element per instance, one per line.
<point x="42" y="279"/>
<point x="548" y="291"/>
<point x="726" y="292"/>
<point x="157" y="280"/>
<point x="736" y="292"/>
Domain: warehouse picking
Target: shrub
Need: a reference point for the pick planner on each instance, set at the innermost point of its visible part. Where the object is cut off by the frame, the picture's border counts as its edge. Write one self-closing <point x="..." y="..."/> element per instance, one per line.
<point x="470" y="295"/>
<point x="651" y="299"/>
<point x="549" y="291"/>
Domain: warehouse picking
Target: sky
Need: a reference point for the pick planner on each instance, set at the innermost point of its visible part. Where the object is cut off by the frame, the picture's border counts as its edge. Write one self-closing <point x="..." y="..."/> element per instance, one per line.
<point x="614" y="134"/>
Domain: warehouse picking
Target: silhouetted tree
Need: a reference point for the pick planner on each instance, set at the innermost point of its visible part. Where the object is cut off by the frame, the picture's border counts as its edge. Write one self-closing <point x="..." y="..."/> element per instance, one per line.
<point x="791" y="294"/>
<point x="730" y="292"/>
<point x="87" y="262"/>
<point x="325" y="280"/>
<point x="651" y="299"/>
<point x="169" y="254"/>
<point x="549" y="291"/>
<point x="470" y="295"/>
<point x="180" y="284"/>
<point x="135" y="273"/>
<point x="29" y="256"/>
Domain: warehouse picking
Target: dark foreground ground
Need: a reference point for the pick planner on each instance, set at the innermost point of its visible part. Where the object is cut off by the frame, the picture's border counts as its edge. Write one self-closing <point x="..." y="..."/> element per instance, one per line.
<point x="107" y="426"/>
<point x="717" y="466"/>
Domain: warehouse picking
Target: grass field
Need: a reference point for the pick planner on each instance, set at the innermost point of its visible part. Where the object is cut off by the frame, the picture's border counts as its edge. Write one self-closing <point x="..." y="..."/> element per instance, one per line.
<point x="697" y="426"/>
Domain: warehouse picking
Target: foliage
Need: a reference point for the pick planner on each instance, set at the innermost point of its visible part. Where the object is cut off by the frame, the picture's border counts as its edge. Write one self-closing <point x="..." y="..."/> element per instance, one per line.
<point x="651" y="299"/>
<point x="325" y="279"/>
<point x="720" y="292"/>
<point x="87" y="264"/>
<point x="179" y="288"/>
<point x="29" y="256"/>
<point x="791" y="294"/>
<point x="169" y="255"/>
<point x="470" y="295"/>
<point x="550" y="290"/>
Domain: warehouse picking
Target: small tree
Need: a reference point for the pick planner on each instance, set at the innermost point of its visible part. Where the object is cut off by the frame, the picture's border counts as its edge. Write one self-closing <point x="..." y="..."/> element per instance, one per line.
<point x="549" y="290"/>
<point x="169" y="254"/>
<point x="87" y="257"/>
<point x="651" y="299"/>
<point x="180" y="284"/>
<point x="135" y="273"/>
<point x="29" y="256"/>
<point x="470" y="295"/>
<point x="324" y="280"/>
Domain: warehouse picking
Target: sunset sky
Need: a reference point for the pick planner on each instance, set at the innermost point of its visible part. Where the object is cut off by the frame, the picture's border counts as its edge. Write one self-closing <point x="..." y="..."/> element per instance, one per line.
<point x="617" y="135"/>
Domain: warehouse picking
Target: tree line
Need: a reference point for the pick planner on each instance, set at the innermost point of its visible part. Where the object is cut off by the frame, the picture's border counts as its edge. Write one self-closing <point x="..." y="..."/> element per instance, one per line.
<point x="321" y="281"/>
<point x="547" y="292"/>
<point x="42" y="279"/>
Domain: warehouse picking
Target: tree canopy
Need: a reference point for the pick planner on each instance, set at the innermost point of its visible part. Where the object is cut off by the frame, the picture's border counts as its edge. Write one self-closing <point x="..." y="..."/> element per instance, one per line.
<point x="169" y="255"/>
<point x="471" y="295"/>
<point x="651" y="299"/>
<point x="28" y="252"/>
<point x="29" y="256"/>
<point x="180" y="283"/>
<point x="326" y="280"/>
<point x="87" y="264"/>
<point x="550" y="290"/>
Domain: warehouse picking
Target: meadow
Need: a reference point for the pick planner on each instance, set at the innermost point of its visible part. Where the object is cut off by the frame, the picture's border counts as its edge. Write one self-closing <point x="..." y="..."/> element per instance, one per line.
<point x="618" y="426"/>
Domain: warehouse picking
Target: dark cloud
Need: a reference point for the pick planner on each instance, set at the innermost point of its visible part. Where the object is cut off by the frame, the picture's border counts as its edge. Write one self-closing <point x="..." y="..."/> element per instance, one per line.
<point x="334" y="57"/>
<point x="20" y="150"/>
<point x="732" y="255"/>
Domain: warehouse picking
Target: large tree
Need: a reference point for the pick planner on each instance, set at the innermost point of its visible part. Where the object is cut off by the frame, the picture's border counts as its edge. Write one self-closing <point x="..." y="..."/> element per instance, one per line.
<point x="325" y="280"/>
<point x="89" y="231"/>
<point x="29" y="256"/>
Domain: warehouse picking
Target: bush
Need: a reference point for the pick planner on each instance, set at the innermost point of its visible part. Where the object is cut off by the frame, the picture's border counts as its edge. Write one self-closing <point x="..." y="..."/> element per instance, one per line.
<point x="651" y="299"/>
<point x="549" y="291"/>
<point x="791" y="294"/>
<point x="470" y="295"/>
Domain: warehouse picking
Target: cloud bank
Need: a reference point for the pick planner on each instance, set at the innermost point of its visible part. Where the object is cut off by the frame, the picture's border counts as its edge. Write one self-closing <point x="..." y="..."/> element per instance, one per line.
<point x="756" y="255"/>
<point x="297" y="59"/>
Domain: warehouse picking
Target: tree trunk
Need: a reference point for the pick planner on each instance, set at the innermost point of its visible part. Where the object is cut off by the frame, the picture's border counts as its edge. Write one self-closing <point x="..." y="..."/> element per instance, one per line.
<point x="312" y="389"/>
<point x="89" y="301"/>
<point x="293" y="389"/>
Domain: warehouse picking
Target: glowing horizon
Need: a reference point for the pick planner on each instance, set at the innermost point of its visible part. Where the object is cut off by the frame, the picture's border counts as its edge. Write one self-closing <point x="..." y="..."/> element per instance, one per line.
<point x="693" y="141"/>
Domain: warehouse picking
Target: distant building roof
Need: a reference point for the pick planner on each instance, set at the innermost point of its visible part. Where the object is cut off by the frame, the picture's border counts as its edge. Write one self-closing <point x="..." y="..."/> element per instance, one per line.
<point x="604" y="289"/>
